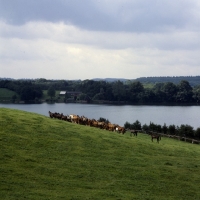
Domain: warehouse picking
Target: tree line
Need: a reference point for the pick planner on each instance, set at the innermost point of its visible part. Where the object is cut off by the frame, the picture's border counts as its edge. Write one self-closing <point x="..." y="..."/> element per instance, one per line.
<point x="193" y="80"/>
<point x="183" y="130"/>
<point x="129" y="92"/>
<point x="27" y="90"/>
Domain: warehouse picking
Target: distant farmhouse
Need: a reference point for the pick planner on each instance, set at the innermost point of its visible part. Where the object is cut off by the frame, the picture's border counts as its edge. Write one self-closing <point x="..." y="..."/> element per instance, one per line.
<point x="62" y="93"/>
<point x="71" y="94"/>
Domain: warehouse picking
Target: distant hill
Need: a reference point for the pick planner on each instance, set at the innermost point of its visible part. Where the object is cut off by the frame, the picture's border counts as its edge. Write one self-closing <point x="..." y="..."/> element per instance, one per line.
<point x="111" y="79"/>
<point x="193" y="80"/>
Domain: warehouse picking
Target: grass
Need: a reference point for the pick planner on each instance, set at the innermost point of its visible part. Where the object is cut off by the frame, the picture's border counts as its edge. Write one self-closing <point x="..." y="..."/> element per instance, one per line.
<point x="45" y="94"/>
<point x="148" y="85"/>
<point x="43" y="158"/>
<point x="6" y="94"/>
<point x="57" y="97"/>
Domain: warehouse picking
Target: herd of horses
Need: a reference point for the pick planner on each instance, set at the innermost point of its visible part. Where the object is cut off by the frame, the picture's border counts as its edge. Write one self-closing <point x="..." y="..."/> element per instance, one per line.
<point x="82" y="120"/>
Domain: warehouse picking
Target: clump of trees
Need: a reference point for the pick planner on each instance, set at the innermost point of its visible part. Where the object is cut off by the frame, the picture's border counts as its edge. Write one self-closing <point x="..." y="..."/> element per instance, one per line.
<point x="102" y="119"/>
<point x="135" y="126"/>
<point x="182" y="130"/>
<point x="27" y="90"/>
<point x="51" y="92"/>
<point x="135" y="93"/>
<point x="128" y="92"/>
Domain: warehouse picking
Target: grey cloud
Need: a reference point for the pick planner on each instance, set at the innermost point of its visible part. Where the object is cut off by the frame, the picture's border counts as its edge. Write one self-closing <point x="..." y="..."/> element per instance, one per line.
<point x="132" y="16"/>
<point x="74" y="12"/>
<point x="185" y="40"/>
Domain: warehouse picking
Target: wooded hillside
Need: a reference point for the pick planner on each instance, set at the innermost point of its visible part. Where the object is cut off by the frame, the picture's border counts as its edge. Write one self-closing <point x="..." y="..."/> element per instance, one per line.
<point x="150" y="90"/>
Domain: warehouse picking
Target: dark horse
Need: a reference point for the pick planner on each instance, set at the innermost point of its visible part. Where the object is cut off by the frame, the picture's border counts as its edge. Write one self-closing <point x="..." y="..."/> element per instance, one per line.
<point x="133" y="132"/>
<point x="155" y="136"/>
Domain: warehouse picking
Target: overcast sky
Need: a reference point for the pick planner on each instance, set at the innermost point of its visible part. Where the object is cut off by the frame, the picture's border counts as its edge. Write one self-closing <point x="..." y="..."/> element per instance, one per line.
<point x="85" y="39"/>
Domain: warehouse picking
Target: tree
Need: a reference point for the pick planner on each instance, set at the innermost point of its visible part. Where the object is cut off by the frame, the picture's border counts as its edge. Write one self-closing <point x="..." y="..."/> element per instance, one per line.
<point x="98" y="96"/>
<point x="197" y="133"/>
<point x="136" y="87"/>
<point x="135" y="90"/>
<point x="51" y="92"/>
<point x="196" y="94"/>
<point x="165" y="128"/>
<point x="155" y="127"/>
<point x="108" y="94"/>
<point x="186" y="131"/>
<point x="82" y="97"/>
<point x="145" y="128"/>
<point x="136" y="125"/>
<point x="170" y="91"/>
<point x="127" y="125"/>
<point x="152" y="126"/>
<point x="147" y="97"/>
<point x="37" y="91"/>
<point x="119" y="91"/>
<point x="102" y="119"/>
<point x="172" y="129"/>
<point x="160" y="96"/>
<point x="66" y="96"/>
<point x="90" y="87"/>
<point x="14" y="97"/>
<point x="185" y="92"/>
<point x="30" y="91"/>
<point x="158" y="86"/>
<point x="27" y="93"/>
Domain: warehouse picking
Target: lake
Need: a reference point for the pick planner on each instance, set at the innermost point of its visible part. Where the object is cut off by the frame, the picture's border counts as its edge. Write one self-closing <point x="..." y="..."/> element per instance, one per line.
<point x="120" y="114"/>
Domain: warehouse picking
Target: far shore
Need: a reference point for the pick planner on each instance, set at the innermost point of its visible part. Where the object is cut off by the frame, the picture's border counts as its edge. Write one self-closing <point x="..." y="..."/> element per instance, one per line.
<point x="95" y="102"/>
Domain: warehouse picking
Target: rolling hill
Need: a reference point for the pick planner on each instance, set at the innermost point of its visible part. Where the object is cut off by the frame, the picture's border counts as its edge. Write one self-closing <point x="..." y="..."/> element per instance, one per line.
<point x="44" y="158"/>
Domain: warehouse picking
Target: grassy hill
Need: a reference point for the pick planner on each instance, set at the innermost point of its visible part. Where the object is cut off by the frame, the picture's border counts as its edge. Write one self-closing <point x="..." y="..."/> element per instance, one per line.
<point x="6" y="94"/>
<point x="43" y="158"/>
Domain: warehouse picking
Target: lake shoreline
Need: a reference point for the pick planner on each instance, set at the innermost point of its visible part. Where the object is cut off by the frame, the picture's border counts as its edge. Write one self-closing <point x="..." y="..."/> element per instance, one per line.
<point x="119" y="114"/>
<point x="100" y="102"/>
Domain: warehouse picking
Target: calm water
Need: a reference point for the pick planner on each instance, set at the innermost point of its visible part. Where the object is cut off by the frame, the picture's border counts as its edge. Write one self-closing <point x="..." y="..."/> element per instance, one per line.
<point x="176" y="115"/>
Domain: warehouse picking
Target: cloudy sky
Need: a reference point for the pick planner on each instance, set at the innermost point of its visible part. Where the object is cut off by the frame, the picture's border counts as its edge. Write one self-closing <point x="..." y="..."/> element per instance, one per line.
<point x="85" y="39"/>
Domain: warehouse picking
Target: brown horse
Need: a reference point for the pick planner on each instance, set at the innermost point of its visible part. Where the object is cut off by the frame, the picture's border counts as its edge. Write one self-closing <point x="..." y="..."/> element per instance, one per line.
<point x="52" y="115"/>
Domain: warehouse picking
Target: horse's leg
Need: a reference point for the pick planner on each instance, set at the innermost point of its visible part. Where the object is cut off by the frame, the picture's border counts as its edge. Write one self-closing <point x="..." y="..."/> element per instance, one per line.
<point x="158" y="139"/>
<point x="152" y="139"/>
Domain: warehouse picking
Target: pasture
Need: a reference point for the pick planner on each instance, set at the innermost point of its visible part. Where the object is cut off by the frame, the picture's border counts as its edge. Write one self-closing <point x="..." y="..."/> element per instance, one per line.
<point x="44" y="158"/>
<point x="57" y="97"/>
<point x="6" y="94"/>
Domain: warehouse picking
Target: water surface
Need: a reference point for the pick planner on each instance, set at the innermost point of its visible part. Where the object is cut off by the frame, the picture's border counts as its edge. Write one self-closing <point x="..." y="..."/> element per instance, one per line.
<point x="120" y="114"/>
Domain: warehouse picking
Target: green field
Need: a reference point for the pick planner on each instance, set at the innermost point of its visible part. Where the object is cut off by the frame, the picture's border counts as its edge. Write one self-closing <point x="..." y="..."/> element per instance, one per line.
<point x="6" y="94"/>
<point x="148" y="85"/>
<point x="44" y="158"/>
<point x="57" y="97"/>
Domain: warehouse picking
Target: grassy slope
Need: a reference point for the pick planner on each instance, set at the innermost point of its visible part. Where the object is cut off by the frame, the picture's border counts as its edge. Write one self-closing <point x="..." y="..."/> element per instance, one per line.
<point x="6" y="94"/>
<point x="45" y="95"/>
<point x="43" y="158"/>
<point x="148" y="85"/>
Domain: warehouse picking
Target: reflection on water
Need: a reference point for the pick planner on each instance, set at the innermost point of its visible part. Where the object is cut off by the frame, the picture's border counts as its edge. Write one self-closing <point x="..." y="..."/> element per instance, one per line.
<point x="120" y="114"/>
